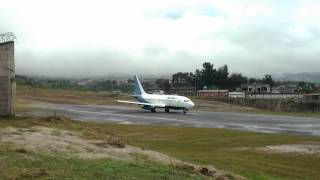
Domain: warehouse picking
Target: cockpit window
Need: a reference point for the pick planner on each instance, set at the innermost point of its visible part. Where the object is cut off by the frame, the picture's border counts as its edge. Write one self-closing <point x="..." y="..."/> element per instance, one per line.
<point x="186" y="100"/>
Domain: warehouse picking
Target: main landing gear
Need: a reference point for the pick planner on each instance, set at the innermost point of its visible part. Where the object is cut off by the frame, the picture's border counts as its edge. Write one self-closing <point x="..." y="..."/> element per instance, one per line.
<point x="167" y="110"/>
<point x="184" y="110"/>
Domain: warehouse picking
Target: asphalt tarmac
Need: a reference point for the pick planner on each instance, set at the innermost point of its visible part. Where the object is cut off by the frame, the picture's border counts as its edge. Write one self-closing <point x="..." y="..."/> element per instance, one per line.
<point x="238" y="121"/>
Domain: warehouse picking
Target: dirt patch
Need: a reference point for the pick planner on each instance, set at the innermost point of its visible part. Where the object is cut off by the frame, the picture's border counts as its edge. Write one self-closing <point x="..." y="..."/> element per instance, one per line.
<point x="312" y="149"/>
<point x="52" y="141"/>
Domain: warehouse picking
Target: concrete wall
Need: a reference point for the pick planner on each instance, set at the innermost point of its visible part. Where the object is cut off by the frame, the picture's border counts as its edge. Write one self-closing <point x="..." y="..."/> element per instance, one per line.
<point x="273" y="96"/>
<point x="213" y="93"/>
<point x="7" y="79"/>
<point x="277" y="104"/>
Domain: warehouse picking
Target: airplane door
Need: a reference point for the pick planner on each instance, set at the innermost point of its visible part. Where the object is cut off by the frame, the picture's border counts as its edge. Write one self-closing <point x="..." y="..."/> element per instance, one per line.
<point x="176" y="102"/>
<point x="179" y="102"/>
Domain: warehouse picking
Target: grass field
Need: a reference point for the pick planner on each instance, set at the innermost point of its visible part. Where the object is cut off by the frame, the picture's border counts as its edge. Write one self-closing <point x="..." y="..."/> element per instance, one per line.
<point x="16" y="165"/>
<point x="25" y="93"/>
<point x="233" y="151"/>
<point x="19" y="162"/>
<point x="220" y="148"/>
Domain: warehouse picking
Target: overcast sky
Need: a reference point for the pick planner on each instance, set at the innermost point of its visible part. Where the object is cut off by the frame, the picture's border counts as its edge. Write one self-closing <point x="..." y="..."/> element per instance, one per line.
<point x="78" y="38"/>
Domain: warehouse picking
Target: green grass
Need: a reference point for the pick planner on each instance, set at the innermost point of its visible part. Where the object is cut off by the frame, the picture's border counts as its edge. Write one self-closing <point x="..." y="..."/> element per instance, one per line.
<point x="217" y="147"/>
<point x="206" y="146"/>
<point x="27" y="95"/>
<point x="16" y="165"/>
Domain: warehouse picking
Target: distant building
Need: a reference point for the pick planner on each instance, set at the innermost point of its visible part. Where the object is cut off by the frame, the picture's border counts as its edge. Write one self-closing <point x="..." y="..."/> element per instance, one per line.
<point x="184" y="91"/>
<point x="311" y="98"/>
<point x="256" y="88"/>
<point x="316" y="89"/>
<point x="157" y="92"/>
<point x="285" y="89"/>
<point x="84" y="82"/>
<point x="213" y="93"/>
<point x="148" y="82"/>
<point x="236" y="95"/>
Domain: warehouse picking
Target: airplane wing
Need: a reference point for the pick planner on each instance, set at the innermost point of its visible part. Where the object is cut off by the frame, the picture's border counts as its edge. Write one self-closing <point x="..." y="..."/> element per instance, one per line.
<point x="124" y="94"/>
<point x="141" y="103"/>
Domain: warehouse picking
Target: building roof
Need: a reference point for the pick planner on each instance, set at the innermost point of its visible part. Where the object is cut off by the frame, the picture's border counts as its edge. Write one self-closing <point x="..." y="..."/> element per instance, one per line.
<point x="213" y="91"/>
<point x="312" y="94"/>
<point x="236" y="93"/>
<point x="257" y="84"/>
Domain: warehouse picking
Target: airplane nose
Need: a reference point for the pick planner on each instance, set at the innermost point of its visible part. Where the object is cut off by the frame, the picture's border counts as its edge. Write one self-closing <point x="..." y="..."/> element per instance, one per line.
<point x="192" y="104"/>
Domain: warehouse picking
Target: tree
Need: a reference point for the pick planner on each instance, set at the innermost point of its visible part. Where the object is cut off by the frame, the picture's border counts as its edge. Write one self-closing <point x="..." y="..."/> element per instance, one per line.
<point x="268" y="80"/>
<point x="164" y="84"/>
<point x="236" y="79"/>
<point x="222" y="77"/>
<point x="254" y="80"/>
<point x="305" y="87"/>
<point x="182" y="79"/>
<point x="208" y="74"/>
<point x="198" y="83"/>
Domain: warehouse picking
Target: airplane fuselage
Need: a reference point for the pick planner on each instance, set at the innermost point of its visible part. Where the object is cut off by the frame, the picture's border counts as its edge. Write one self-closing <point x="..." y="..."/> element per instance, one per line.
<point x="166" y="101"/>
<point x="153" y="101"/>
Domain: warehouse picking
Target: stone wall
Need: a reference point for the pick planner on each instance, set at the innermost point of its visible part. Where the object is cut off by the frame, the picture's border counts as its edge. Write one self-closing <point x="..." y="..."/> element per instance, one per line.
<point x="7" y="79"/>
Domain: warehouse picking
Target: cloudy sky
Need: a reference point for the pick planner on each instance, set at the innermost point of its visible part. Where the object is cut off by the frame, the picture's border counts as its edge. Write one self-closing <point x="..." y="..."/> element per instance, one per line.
<point x="78" y="38"/>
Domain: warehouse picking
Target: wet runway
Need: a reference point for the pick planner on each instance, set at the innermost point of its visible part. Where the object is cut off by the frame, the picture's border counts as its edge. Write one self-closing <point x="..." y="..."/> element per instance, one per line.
<point x="238" y="121"/>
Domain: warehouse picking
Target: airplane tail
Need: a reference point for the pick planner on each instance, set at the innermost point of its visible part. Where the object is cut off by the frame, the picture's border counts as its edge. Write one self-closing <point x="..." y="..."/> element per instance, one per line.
<point x="138" y="89"/>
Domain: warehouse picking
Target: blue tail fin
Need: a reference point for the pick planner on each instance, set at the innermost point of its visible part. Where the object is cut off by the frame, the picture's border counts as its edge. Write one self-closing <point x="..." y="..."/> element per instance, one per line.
<point x="138" y="89"/>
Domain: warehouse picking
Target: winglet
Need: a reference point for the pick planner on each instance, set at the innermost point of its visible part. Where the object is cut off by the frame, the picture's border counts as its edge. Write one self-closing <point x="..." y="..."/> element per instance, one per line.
<point x="138" y="89"/>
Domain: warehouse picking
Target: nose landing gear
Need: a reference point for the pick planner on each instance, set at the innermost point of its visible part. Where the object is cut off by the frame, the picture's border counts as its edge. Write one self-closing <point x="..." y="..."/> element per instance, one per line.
<point x="184" y="111"/>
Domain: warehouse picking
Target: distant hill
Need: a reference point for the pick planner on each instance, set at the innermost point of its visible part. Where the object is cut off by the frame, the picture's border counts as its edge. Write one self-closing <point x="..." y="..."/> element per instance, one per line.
<point x="85" y="84"/>
<point x="309" y="77"/>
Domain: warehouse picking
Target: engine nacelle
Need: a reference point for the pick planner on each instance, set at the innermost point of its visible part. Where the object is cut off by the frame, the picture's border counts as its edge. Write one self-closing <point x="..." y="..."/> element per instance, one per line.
<point x="147" y="107"/>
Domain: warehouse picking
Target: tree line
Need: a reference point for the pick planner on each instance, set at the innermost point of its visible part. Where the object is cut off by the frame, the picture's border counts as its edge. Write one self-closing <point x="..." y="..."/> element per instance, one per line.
<point x="94" y="85"/>
<point x="210" y="77"/>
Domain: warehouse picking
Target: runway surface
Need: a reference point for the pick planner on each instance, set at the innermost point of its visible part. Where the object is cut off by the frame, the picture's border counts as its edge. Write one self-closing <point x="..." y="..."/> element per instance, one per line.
<point x="239" y="121"/>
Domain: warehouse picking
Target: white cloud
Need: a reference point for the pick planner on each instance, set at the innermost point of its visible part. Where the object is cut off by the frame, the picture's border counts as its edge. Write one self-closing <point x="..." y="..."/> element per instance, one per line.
<point x="63" y="38"/>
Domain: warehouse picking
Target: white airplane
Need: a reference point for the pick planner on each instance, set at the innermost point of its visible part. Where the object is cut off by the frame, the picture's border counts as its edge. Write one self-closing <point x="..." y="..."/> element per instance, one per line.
<point x="153" y="101"/>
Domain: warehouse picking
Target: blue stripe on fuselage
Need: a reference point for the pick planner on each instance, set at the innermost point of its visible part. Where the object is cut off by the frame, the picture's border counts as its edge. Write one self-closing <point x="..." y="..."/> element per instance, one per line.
<point x="141" y="99"/>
